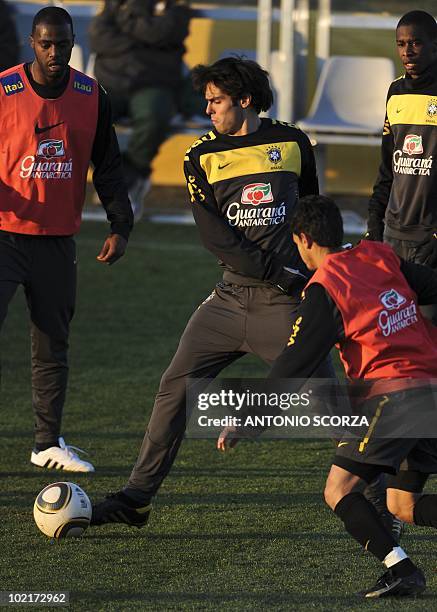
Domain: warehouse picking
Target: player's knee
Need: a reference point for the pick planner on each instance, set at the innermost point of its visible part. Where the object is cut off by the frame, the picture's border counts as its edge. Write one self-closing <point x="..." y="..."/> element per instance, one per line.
<point x="332" y="495"/>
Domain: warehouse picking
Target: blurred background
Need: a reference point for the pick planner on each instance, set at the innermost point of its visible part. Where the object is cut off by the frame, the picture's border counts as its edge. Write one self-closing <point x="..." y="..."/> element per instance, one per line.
<point x="295" y="40"/>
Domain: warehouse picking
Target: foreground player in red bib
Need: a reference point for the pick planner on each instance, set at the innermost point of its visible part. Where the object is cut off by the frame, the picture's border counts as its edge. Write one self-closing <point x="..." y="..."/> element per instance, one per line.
<point x="53" y="121"/>
<point x="366" y="300"/>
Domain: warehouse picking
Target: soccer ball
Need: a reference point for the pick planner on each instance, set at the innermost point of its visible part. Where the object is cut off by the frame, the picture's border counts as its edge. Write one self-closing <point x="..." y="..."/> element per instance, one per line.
<point x="62" y="510"/>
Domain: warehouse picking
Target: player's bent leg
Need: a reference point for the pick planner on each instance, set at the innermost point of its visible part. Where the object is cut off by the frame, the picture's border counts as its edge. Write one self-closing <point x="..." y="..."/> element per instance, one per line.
<point x="404" y="496"/>
<point x="362" y="522"/>
<point x="340" y="483"/>
<point x="376" y="493"/>
<point x="401" y="504"/>
<point x="209" y="343"/>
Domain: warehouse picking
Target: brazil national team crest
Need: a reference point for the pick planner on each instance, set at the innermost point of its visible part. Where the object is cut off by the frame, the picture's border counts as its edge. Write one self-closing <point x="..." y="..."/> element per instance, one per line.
<point x="431" y="109"/>
<point x="413" y="144"/>
<point x="274" y="155"/>
<point x="257" y="193"/>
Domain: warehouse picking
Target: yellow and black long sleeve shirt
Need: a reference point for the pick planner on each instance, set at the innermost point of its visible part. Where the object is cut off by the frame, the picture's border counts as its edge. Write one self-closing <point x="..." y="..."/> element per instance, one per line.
<point x="243" y="190"/>
<point x="405" y="193"/>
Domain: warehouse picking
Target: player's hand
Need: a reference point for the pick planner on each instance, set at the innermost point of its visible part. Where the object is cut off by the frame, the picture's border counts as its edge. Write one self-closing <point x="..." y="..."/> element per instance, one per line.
<point x="113" y="248"/>
<point x="226" y="439"/>
<point x="428" y="254"/>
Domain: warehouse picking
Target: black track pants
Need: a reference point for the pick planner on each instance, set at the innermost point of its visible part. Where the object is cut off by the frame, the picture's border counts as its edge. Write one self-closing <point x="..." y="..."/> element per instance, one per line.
<point x="46" y="267"/>
<point x="233" y="321"/>
<point x="413" y="251"/>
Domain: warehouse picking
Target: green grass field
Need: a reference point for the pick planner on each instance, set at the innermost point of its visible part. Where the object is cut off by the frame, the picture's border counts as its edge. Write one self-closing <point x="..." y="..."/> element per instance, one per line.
<point x="243" y="531"/>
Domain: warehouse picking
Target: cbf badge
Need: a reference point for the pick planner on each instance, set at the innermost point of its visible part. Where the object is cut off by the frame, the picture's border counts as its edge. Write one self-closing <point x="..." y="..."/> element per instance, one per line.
<point x="274" y="155"/>
<point x="431" y="109"/>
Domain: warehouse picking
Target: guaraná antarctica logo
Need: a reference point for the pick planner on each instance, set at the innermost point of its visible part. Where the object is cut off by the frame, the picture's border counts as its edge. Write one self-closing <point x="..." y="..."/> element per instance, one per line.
<point x="257" y="193"/>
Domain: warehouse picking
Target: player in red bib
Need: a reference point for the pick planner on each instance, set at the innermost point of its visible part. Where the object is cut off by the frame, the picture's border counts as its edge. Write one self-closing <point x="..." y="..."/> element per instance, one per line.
<point x="366" y="301"/>
<point x="54" y="121"/>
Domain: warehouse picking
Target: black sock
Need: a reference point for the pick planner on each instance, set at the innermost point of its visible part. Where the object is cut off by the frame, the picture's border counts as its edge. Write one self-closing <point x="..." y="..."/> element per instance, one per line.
<point x="362" y="522"/>
<point x="425" y="511"/>
<point x="135" y="498"/>
<point x="41" y="446"/>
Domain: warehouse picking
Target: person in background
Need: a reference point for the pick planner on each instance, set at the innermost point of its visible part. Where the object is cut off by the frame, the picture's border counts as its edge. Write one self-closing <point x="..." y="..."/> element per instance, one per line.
<point x="9" y="45"/>
<point x="139" y="45"/>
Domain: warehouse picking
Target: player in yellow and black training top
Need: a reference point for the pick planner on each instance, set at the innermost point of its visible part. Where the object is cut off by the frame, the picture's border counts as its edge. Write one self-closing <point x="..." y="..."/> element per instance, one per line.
<point x="244" y="179"/>
<point x="402" y="209"/>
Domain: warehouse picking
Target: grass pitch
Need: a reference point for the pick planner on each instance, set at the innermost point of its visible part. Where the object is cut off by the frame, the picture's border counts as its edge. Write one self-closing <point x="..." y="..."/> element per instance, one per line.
<point x="247" y="530"/>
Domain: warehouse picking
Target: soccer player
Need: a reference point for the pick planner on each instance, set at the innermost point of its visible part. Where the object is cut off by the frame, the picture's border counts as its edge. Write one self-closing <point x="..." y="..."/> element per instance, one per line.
<point x="346" y="303"/>
<point x="402" y="209"/>
<point x="244" y="178"/>
<point x="53" y="121"/>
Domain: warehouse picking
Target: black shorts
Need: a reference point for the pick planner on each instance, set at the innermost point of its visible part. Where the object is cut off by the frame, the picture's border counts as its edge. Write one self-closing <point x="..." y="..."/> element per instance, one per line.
<point x="392" y="456"/>
<point x="389" y="454"/>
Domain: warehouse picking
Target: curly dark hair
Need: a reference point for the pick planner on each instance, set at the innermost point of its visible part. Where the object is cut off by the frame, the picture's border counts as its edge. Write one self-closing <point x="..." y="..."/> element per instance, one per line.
<point x="238" y="77"/>
<point x="319" y="217"/>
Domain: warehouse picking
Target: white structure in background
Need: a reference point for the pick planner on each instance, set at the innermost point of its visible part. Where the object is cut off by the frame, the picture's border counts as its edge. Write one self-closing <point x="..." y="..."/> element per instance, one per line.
<point x="287" y="65"/>
<point x="349" y="104"/>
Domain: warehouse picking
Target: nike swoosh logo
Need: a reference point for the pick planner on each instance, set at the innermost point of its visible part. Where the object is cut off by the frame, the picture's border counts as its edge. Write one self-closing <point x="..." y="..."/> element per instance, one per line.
<point x="221" y="166"/>
<point x="41" y="130"/>
<point x="342" y="444"/>
<point x="398" y="110"/>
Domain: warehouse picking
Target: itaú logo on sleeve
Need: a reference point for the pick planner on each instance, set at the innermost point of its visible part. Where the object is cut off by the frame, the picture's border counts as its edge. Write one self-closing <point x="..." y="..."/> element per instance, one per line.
<point x="48" y="163"/>
<point x="394" y="318"/>
<point x="257" y="193"/>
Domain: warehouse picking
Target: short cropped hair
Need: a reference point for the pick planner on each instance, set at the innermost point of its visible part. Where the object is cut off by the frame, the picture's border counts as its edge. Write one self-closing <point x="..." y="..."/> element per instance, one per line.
<point x="319" y="217"/>
<point x="237" y="77"/>
<point x="54" y="16"/>
<point x="422" y="20"/>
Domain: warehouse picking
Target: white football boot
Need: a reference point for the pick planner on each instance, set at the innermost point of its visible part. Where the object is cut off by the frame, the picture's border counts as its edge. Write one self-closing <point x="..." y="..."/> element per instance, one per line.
<point x="61" y="458"/>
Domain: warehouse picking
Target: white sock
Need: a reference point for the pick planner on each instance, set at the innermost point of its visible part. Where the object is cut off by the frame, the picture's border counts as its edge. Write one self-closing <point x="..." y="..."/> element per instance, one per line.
<point x="393" y="557"/>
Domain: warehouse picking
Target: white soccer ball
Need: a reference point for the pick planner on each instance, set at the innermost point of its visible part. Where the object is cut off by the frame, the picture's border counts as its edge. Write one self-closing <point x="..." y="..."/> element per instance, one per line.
<point x="62" y="510"/>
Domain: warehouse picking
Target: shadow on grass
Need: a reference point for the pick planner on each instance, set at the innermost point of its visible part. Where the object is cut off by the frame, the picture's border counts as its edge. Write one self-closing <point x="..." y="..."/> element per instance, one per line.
<point x="219" y="537"/>
<point x="218" y="470"/>
<point x="226" y="497"/>
<point x="330" y="602"/>
<point x="225" y="500"/>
